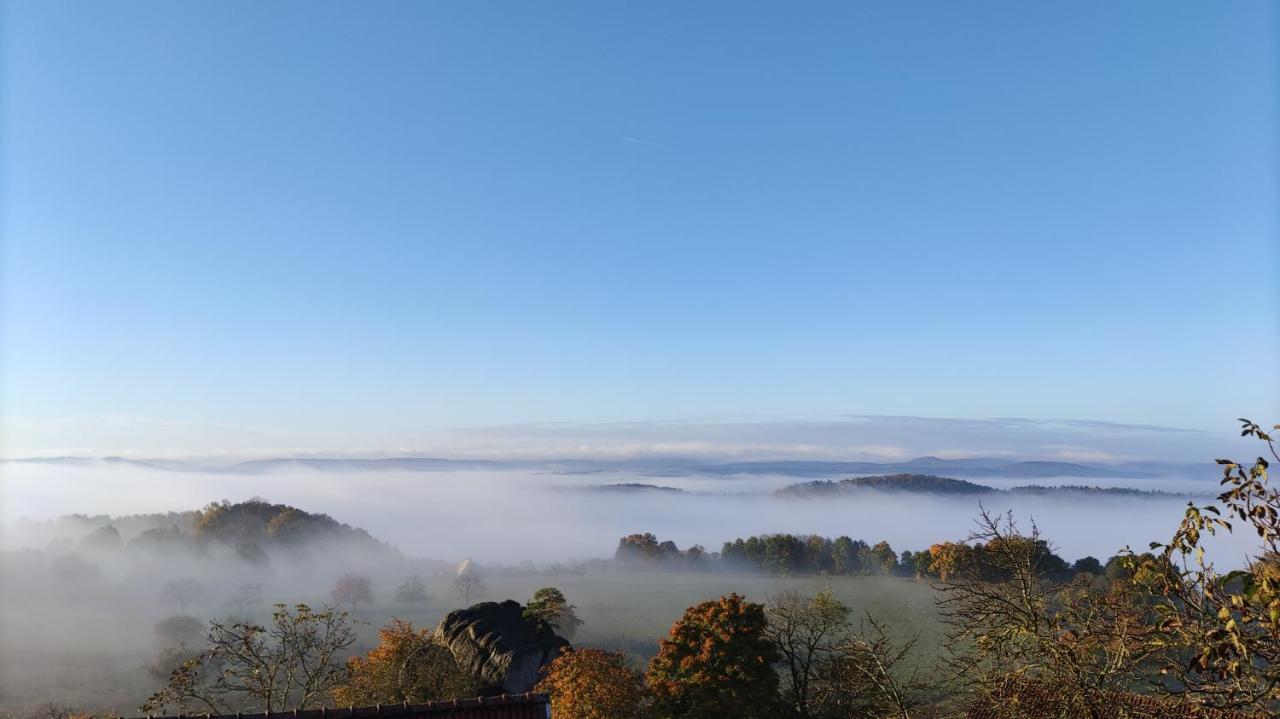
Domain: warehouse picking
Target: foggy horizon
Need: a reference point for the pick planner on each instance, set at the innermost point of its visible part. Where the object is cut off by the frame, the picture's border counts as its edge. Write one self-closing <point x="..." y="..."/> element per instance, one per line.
<point x="468" y="333"/>
<point x="852" y="438"/>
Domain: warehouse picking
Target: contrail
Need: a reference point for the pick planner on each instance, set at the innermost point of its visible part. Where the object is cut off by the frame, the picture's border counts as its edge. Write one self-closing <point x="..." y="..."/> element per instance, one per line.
<point x="641" y="142"/>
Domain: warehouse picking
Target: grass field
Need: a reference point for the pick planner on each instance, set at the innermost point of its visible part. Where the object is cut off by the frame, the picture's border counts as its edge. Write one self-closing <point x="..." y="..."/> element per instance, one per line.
<point x="631" y="611"/>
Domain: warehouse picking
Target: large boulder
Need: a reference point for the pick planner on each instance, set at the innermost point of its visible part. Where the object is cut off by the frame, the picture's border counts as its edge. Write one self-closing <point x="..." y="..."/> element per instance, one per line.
<point x="496" y="643"/>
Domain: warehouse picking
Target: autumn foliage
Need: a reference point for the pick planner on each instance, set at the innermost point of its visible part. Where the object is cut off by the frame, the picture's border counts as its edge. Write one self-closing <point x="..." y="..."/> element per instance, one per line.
<point x="405" y="666"/>
<point x="716" y="662"/>
<point x="595" y="684"/>
<point x="948" y="558"/>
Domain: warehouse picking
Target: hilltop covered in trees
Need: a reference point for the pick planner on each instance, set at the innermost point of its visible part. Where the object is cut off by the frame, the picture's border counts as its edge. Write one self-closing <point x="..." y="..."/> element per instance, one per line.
<point x="629" y="488"/>
<point x="888" y="482"/>
<point x="932" y="484"/>
<point x="249" y="528"/>
<point x="227" y="534"/>
<point x="260" y="522"/>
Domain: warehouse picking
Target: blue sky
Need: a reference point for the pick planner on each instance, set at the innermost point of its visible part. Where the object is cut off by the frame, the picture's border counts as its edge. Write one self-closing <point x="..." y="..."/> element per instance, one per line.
<point x="326" y="225"/>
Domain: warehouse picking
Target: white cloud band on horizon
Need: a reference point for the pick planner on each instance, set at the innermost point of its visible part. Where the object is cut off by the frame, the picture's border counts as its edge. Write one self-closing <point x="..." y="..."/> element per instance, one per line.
<point x="850" y="438"/>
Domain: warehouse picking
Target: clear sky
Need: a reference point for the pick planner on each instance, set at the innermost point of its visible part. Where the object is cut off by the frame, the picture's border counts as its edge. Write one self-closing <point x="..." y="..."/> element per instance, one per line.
<point x="339" y="222"/>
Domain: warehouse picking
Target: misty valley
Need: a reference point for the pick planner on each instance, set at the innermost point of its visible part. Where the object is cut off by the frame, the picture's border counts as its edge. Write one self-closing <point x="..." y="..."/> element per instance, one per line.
<point x="444" y="359"/>
<point x="99" y="612"/>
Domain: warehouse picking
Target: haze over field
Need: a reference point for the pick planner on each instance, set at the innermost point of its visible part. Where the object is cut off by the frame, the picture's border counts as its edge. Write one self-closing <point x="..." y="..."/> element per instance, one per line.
<point x="311" y="294"/>
<point x="104" y="594"/>
<point x="507" y="516"/>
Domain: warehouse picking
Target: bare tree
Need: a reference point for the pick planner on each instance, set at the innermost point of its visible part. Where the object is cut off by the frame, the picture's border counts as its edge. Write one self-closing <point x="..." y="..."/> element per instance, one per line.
<point x="291" y="663"/>
<point x="867" y="676"/>
<point x="1009" y="612"/>
<point x="413" y="591"/>
<point x="806" y="631"/>
<point x="468" y="582"/>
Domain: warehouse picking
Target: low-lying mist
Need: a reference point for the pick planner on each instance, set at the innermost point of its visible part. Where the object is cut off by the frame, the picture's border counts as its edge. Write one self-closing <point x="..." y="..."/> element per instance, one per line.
<point x="510" y="517"/>
<point x="80" y="604"/>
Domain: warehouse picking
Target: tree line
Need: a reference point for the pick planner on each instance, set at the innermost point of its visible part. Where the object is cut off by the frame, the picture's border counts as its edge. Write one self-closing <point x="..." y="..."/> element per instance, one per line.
<point x="797" y="555"/>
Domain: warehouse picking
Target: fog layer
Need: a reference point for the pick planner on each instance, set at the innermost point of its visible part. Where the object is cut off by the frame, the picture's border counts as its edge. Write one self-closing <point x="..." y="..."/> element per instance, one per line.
<point x="84" y="599"/>
<point x="510" y="517"/>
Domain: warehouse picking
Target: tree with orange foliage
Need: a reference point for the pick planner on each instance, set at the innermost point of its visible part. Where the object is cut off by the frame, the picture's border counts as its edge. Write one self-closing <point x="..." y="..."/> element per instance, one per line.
<point x="947" y="558"/>
<point x="595" y="684"/>
<point x="717" y="662"/>
<point x="406" y="666"/>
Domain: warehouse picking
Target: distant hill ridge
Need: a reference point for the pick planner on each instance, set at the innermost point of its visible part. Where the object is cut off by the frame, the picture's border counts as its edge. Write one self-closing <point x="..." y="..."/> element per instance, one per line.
<point x="925" y="483"/>
<point x="630" y="488"/>
<point x="932" y="484"/>
<point x="1028" y="469"/>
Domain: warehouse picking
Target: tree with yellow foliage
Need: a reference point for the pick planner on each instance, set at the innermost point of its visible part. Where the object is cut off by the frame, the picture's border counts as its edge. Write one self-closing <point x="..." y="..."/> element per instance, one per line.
<point x="595" y="684"/>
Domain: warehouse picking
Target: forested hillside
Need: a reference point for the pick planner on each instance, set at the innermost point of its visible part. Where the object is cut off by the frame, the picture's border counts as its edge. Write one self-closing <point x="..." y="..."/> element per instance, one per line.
<point x="932" y="484"/>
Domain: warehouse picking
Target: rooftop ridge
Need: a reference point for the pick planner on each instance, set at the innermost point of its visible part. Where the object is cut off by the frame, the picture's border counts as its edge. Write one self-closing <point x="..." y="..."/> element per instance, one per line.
<point x="377" y="710"/>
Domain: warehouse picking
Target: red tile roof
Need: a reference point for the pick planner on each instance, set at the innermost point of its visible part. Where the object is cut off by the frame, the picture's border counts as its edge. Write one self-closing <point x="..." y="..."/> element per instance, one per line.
<point x="515" y="706"/>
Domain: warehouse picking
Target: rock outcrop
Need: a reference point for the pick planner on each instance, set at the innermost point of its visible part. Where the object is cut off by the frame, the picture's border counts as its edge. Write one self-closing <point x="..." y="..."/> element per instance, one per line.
<point x="497" y="644"/>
